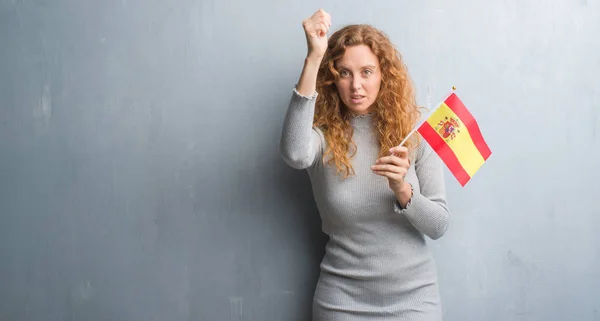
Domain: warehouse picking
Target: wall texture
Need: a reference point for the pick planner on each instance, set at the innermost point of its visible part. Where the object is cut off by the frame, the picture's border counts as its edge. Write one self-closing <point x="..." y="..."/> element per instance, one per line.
<point x="140" y="177"/>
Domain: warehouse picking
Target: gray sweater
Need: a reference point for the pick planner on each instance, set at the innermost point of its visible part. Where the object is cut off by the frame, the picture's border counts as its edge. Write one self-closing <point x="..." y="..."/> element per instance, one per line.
<point x="377" y="265"/>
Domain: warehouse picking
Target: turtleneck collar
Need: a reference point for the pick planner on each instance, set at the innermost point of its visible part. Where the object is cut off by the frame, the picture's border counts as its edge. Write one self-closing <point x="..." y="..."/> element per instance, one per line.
<point x="362" y="121"/>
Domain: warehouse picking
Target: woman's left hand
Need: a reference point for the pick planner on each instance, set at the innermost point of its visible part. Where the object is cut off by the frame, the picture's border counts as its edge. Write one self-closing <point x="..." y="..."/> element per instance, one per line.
<point x="394" y="167"/>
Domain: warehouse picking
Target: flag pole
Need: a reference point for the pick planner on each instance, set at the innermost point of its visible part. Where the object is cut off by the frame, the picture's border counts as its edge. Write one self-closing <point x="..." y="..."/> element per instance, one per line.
<point x="428" y="115"/>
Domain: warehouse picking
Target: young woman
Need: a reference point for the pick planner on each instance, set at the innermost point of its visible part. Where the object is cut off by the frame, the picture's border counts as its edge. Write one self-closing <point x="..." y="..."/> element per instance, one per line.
<point x="352" y="107"/>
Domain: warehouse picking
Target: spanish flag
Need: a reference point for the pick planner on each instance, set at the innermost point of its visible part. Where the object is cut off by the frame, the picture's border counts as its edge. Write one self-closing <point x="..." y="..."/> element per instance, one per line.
<point x="454" y="135"/>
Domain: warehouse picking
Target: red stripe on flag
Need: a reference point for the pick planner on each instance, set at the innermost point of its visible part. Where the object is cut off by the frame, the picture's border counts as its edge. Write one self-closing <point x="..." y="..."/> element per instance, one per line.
<point x="445" y="152"/>
<point x="466" y="118"/>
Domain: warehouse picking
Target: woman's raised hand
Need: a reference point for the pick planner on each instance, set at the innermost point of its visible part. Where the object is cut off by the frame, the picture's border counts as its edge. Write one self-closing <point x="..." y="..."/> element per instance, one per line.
<point x="316" y="28"/>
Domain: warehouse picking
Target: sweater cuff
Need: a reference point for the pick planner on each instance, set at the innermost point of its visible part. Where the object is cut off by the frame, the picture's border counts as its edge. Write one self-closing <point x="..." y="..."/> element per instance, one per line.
<point x="398" y="208"/>
<point x="311" y="97"/>
<point x="415" y="202"/>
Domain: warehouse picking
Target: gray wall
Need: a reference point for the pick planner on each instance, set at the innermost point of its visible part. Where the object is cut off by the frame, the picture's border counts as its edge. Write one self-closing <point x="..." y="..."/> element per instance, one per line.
<point x="140" y="177"/>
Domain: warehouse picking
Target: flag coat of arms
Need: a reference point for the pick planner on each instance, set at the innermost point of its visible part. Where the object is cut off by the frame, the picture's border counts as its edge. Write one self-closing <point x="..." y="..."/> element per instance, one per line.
<point x="454" y="135"/>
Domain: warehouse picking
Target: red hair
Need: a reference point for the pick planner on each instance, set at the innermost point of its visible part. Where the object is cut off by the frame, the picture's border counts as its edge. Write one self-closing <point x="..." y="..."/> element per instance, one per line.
<point x="395" y="110"/>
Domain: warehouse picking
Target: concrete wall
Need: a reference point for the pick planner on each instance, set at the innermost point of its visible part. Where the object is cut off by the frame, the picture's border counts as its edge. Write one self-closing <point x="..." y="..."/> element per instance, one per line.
<point x="140" y="177"/>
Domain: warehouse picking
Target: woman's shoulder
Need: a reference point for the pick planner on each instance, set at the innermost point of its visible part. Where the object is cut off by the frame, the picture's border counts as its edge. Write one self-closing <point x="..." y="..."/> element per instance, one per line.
<point x="422" y="149"/>
<point x="319" y="129"/>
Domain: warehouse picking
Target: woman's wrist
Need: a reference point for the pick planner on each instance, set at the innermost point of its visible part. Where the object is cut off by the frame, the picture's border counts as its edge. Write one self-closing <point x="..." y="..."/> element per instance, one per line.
<point x="314" y="59"/>
<point x="405" y="194"/>
<point x="308" y="79"/>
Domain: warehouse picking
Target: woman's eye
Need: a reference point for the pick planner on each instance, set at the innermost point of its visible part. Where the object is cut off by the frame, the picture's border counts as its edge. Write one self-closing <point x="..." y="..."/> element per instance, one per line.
<point x="343" y="73"/>
<point x="368" y="71"/>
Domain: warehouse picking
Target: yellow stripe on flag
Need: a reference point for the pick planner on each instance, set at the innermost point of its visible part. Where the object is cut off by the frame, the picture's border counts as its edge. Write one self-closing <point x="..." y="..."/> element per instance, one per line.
<point x="461" y="144"/>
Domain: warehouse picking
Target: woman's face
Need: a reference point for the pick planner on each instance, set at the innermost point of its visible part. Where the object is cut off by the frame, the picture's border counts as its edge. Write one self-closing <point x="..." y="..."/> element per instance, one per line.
<point x="360" y="79"/>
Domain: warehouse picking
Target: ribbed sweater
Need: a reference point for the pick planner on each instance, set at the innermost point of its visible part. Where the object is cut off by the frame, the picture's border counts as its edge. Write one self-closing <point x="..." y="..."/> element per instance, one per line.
<point x="377" y="265"/>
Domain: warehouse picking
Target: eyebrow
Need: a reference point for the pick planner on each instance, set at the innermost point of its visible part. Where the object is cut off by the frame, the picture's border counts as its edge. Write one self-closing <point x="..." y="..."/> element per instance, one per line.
<point x="367" y="66"/>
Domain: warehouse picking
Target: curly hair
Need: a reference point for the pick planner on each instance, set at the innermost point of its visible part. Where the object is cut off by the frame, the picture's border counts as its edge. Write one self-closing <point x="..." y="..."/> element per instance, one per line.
<point x="395" y="110"/>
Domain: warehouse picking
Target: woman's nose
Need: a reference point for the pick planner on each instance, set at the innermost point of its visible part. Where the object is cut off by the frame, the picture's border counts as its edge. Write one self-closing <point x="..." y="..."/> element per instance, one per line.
<point x="356" y="83"/>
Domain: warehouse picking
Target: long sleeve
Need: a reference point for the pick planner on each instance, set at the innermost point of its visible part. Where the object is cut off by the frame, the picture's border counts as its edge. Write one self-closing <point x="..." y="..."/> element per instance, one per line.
<point x="427" y="210"/>
<point x="300" y="145"/>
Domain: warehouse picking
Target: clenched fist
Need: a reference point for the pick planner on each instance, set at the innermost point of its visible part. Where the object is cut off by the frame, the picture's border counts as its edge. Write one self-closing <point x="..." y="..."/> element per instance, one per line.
<point x="316" y="28"/>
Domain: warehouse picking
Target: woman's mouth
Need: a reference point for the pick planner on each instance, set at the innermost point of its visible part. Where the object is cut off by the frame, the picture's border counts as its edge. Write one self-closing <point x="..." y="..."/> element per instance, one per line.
<point x="357" y="98"/>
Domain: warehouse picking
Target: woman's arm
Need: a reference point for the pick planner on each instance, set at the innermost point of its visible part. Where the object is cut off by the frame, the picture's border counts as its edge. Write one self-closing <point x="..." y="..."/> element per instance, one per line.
<point x="300" y="143"/>
<point x="427" y="210"/>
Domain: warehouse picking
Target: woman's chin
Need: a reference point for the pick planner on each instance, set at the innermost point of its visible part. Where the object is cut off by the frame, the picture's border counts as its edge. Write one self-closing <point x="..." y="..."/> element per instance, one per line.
<point x="359" y="109"/>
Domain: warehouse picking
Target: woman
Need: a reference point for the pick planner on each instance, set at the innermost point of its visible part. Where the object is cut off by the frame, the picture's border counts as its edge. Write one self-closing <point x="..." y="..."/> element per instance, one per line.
<point x="347" y="116"/>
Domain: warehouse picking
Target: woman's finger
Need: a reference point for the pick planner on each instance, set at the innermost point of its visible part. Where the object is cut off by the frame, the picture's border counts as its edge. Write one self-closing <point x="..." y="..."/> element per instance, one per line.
<point x="323" y="26"/>
<point x="402" y="162"/>
<point x="392" y="176"/>
<point x="399" y="151"/>
<point x="388" y="168"/>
